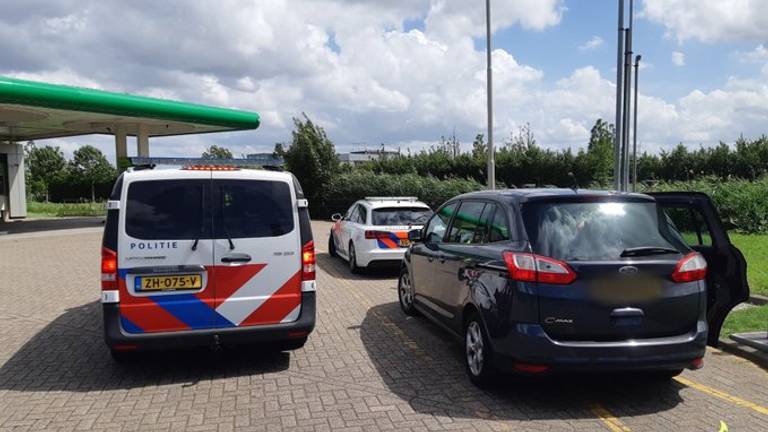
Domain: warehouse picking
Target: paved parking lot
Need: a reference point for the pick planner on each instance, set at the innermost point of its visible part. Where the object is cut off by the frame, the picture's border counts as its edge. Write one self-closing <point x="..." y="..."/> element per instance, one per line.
<point x="366" y="367"/>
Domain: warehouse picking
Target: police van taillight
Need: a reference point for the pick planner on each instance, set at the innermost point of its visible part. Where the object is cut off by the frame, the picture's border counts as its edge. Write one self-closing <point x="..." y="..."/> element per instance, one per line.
<point x="108" y="269"/>
<point x="308" y="261"/>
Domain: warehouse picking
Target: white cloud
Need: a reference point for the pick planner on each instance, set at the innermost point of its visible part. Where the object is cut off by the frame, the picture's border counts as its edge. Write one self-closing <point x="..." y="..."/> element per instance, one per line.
<point x="678" y="58"/>
<point x="710" y="20"/>
<point x="593" y="43"/>
<point x="757" y="55"/>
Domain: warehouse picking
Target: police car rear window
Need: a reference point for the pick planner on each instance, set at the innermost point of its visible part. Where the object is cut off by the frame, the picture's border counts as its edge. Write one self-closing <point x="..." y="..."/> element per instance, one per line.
<point x="252" y="208"/>
<point x="168" y="210"/>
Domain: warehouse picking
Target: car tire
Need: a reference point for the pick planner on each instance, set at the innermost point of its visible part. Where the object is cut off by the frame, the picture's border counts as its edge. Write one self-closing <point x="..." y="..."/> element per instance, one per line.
<point x="353" y="267"/>
<point x="405" y="293"/>
<point x="332" y="246"/>
<point x="478" y="357"/>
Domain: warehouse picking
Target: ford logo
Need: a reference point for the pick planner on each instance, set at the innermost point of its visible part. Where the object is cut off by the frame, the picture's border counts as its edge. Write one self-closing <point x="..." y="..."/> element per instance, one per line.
<point x="628" y="270"/>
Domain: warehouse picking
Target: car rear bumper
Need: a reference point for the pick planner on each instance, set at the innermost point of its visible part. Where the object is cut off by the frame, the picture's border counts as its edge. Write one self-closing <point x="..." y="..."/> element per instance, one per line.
<point x="116" y="338"/>
<point x="364" y="258"/>
<point x="529" y="343"/>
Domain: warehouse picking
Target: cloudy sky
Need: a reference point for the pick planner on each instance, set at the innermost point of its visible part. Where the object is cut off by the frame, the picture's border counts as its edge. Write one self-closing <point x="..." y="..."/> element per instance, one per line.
<point x="404" y="72"/>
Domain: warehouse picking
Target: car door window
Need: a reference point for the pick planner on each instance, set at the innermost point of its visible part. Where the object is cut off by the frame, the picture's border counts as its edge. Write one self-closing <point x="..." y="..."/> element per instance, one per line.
<point x="467" y="226"/>
<point x="362" y="215"/>
<point x="498" y="228"/>
<point x="690" y="224"/>
<point x="436" y="227"/>
<point x="351" y="213"/>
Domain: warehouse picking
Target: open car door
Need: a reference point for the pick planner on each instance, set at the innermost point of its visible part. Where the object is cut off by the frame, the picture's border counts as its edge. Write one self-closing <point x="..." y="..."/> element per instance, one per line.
<point x="696" y="218"/>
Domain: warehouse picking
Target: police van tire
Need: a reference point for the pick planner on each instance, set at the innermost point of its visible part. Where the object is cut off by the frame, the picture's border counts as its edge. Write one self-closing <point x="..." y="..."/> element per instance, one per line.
<point x="122" y="357"/>
<point x="290" y="345"/>
<point x="332" y="246"/>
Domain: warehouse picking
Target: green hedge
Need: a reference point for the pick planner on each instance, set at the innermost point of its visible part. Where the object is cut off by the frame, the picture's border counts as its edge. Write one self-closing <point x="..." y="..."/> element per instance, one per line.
<point x="743" y="204"/>
<point x="347" y="188"/>
<point x="50" y="209"/>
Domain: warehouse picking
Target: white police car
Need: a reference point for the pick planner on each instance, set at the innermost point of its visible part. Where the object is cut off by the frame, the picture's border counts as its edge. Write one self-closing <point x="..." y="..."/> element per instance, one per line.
<point x="207" y="256"/>
<point x="375" y="229"/>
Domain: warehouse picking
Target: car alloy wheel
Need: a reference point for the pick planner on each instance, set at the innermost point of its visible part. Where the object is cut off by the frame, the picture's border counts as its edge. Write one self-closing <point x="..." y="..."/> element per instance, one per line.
<point x="475" y="348"/>
<point x="405" y="291"/>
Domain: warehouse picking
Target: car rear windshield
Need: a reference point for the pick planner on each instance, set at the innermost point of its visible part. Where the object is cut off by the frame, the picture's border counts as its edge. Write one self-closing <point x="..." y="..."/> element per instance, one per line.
<point x="574" y="231"/>
<point x="252" y="208"/>
<point x="167" y="210"/>
<point x="401" y="216"/>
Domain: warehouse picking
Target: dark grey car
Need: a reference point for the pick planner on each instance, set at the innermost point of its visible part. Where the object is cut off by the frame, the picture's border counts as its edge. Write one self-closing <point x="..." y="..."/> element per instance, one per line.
<point x="539" y="281"/>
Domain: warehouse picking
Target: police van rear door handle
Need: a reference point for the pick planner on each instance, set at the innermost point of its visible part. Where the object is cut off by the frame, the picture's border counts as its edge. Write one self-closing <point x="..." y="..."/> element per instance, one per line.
<point x="236" y="258"/>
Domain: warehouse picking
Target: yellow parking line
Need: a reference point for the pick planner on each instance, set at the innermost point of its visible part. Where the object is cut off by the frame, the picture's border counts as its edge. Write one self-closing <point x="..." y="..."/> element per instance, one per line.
<point x="722" y="395"/>
<point x="609" y="420"/>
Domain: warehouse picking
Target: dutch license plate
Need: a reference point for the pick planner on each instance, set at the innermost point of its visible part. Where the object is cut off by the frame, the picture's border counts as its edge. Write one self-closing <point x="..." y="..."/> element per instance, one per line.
<point x="626" y="290"/>
<point x="405" y="243"/>
<point x="168" y="282"/>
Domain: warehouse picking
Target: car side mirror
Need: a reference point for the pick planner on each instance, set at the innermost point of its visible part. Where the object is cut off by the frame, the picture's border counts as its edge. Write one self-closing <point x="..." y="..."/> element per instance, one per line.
<point x="336" y="217"/>
<point x="414" y="235"/>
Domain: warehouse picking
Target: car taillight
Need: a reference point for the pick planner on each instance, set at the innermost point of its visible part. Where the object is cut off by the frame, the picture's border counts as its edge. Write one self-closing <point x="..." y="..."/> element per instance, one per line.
<point x="108" y="269"/>
<point x="308" y="261"/>
<point x="693" y="267"/>
<point x="527" y="267"/>
<point x="370" y="235"/>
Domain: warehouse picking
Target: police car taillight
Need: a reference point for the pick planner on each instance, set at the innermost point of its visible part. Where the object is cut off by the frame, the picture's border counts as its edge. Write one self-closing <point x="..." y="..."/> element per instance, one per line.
<point x="308" y="261"/>
<point x="108" y="269"/>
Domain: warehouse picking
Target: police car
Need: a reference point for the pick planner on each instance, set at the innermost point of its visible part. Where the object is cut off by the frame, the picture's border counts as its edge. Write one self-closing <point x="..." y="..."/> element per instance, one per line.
<point x="207" y="256"/>
<point x="375" y="229"/>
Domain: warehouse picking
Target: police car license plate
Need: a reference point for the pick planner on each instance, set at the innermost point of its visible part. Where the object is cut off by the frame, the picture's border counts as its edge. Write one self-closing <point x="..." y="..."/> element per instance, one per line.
<point x="169" y="282"/>
<point x="405" y="243"/>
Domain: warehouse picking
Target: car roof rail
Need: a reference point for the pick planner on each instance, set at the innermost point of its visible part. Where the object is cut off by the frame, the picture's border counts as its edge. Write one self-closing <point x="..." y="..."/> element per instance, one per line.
<point x="275" y="168"/>
<point x="140" y="167"/>
<point x="404" y="198"/>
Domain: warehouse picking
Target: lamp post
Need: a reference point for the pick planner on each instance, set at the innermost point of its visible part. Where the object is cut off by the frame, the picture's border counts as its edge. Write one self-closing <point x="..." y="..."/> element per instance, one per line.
<point x="619" y="104"/>
<point x="634" y="132"/>
<point x="489" y="91"/>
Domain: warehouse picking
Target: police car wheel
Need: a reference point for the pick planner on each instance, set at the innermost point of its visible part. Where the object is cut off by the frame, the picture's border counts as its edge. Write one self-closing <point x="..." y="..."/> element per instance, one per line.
<point x="332" y="246"/>
<point x="353" y="267"/>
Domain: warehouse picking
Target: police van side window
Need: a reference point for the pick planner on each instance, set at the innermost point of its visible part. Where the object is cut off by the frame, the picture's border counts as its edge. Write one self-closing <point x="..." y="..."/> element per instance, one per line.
<point x="252" y="208"/>
<point x="168" y="210"/>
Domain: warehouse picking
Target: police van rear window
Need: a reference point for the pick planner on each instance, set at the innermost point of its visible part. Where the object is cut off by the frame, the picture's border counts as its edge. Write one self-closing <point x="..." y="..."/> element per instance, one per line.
<point x="168" y="210"/>
<point x="252" y="208"/>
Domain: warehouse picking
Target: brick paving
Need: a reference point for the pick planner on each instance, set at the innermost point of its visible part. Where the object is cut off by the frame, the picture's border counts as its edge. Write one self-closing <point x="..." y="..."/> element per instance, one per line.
<point x="366" y="367"/>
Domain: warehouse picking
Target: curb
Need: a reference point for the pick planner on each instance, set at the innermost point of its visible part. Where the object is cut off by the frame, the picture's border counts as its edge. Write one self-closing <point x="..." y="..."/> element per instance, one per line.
<point x="757" y="299"/>
<point x="758" y="357"/>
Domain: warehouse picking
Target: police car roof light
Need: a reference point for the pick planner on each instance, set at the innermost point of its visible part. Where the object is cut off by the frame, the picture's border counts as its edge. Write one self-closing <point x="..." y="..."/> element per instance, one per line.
<point x="409" y="199"/>
<point x="211" y="168"/>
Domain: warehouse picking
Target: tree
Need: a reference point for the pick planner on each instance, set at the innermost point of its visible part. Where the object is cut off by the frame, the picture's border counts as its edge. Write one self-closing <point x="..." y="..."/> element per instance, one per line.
<point x="217" y="152"/>
<point x="44" y="165"/>
<point x="311" y="157"/>
<point x="479" y="147"/>
<point x="600" y="152"/>
<point x="90" y="166"/>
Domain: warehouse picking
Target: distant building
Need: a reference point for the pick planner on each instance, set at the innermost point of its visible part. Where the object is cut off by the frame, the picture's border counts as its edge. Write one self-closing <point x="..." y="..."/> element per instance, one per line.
<point x="361" y="156"/>
<point x="265" y="159"/>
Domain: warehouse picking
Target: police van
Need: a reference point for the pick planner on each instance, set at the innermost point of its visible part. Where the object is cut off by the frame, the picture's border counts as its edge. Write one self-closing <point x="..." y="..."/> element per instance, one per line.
<point x="207" y="256"/>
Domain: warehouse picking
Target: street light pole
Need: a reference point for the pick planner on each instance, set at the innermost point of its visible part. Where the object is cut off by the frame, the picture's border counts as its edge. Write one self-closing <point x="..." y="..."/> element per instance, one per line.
<point x="619" y="104"/>
<point x="634" y="132"/>
<point x="489" y="90"/>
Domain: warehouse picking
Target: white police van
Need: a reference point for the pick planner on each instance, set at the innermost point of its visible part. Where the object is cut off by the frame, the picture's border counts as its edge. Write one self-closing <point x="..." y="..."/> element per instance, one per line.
<point x="375" y="229"/>
<point x="207" y="256"/>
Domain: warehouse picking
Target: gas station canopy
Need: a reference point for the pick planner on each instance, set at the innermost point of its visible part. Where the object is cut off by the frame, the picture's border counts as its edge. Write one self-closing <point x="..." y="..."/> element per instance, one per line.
<point x="33" y="110"/>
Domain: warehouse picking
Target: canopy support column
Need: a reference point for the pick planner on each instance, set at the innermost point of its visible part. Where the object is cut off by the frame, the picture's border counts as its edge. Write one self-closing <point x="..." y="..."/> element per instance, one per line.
<point x="121" y="144"/>
<point x="142" y="141"/>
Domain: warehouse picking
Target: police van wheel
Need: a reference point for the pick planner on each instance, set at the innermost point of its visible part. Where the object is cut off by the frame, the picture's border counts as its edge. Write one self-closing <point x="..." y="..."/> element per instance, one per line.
<point x="353" y="267"/>
<point x="332" y="246"/>
<point x="122" y="357"/>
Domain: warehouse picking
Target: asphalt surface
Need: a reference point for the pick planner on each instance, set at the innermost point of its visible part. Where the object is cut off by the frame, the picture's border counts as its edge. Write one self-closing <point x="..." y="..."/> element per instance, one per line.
<point x="366" y="367"/>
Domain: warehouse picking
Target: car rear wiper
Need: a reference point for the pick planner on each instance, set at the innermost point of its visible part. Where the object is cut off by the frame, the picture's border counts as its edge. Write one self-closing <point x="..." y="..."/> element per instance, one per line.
<point x="224" y="221"/>
<point x="648" y="250"/>
<point x="202" y="218"/>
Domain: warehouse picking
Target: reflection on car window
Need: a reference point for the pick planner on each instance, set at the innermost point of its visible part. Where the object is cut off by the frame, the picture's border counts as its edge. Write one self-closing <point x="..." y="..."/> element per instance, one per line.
<point x="498" y="229"/>
<point x="467" y="226"/>
<point x="252" y="208"/>
<point x="596" y="230"/>
<point x="436" y="229"/>
<point x="401" y="216"/>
